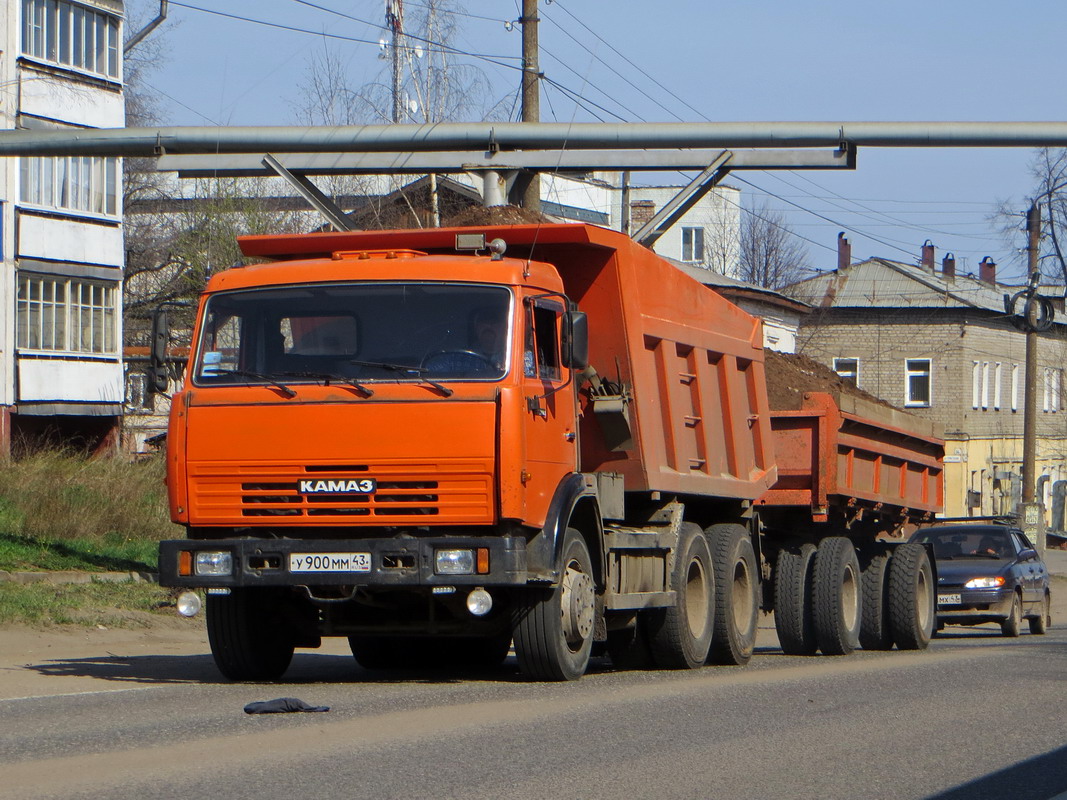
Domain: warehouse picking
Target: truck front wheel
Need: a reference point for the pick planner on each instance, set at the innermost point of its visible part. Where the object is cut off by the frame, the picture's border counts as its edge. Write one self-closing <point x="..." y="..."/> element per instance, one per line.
<point x="249" y="640"/>
<point x="736" y="594"/>
<point x="554" y="636"/>
<point x="680" y="636"/>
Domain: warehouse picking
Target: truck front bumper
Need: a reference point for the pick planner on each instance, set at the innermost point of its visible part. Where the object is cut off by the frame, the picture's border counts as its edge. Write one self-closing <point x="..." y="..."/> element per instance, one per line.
<point x="387" y="562"/>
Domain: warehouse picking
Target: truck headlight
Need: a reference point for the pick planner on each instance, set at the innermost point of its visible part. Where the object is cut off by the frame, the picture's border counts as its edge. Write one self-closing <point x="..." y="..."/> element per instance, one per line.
<point x="454" y="562"/>
<point x="213" y="563"/>
<point x="984" y="583"/>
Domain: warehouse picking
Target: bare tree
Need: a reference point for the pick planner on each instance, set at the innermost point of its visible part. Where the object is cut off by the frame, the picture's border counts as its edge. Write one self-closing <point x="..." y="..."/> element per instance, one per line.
<point x="1049" y="170"/>
<point x="770" y="254"/>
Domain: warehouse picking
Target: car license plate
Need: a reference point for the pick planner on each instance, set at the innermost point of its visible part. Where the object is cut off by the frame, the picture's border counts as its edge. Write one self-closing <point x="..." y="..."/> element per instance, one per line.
<point x="949" y="600"/>
<point x="329" y="562"/>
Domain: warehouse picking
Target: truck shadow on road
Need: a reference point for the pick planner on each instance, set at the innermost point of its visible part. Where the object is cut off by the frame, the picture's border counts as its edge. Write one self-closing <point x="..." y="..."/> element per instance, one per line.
<point x="1036" y="778"/>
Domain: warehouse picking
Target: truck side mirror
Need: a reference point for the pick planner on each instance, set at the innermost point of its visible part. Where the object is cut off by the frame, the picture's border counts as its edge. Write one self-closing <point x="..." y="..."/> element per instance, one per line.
<point x="157" y="352"/>
<point x="574" y="337"/>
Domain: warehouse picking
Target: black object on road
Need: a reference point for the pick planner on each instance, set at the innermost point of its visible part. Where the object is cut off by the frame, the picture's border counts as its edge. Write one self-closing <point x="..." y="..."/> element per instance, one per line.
<point x="283" y="705"/>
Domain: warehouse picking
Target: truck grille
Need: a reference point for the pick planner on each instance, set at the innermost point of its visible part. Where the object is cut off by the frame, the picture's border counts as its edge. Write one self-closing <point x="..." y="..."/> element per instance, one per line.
<point x="451" y="493"/>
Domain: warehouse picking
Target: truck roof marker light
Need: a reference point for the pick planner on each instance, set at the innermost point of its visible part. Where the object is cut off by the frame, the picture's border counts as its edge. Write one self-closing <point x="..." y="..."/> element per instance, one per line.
<point x="364" y="255"/>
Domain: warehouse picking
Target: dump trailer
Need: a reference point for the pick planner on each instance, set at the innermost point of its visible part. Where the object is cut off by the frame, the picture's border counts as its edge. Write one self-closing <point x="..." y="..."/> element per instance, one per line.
<point x="441" y="443"/>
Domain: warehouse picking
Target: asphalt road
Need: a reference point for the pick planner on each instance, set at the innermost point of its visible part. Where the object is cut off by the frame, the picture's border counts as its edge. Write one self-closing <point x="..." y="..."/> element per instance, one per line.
<point x="976" y="716"/>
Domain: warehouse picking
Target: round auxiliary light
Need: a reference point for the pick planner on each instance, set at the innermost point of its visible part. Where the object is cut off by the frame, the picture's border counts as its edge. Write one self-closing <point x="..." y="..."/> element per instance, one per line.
<point x="188" y="604"/>
<point x="479" y="602"/>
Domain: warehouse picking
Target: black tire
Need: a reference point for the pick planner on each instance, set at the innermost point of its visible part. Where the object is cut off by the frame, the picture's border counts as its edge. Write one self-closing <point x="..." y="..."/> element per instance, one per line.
<point x="679" y="637"/>
<point x="736" y="594"/>
<point x="554" y="636"/>
<point x="792" y="601"/>
<point x="628" y="647"/>
<point x="836" y="590"/>
<point x="248" y="640"/>
<point x="387" y="652"/>
<point x="875" y="632"/>
<point x="1039" y="624"/>
<point x="912" y="597"/>
<point x="1012" y="626"/>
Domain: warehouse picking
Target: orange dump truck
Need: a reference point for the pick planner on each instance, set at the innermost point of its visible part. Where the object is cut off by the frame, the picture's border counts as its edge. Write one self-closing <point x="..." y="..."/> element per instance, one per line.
<point x="437" y="443"/>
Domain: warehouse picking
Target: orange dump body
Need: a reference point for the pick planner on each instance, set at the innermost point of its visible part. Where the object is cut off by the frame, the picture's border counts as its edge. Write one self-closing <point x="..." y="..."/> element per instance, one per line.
<point x="855" y="455"/>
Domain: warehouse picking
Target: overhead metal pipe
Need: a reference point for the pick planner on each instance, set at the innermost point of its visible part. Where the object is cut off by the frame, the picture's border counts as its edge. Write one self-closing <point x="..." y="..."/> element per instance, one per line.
<point x="528" y="136"/>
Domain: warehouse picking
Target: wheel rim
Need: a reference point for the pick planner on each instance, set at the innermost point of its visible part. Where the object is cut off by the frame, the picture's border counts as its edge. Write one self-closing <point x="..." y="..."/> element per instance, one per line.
<point x="923" y="598"/>
<point x="696" y="598"/>
<point x="850" y="599"/>
<point x="576" y="605"/>
<point x="741" y="596"/>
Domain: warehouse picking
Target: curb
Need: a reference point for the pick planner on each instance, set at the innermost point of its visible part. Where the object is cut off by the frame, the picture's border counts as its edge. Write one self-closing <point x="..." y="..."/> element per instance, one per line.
<point x="64" y="577"/>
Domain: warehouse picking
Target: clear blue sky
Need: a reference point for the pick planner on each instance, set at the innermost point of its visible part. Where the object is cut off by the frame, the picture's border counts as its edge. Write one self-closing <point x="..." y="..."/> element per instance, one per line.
<point x="734" y="60"/>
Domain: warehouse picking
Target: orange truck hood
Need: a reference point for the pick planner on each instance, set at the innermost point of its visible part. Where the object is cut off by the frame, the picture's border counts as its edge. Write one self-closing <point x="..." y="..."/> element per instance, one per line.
<point x="433" y="463"/>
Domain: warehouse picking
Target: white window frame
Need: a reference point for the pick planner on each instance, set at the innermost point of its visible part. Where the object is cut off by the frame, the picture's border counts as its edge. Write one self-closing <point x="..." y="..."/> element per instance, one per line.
<point x="85" y="184"/>
<point x="911" y="373"/>
<point x="693" y="245"/>
<point x="976" y="384"/>
<point x="1014" y="387"/>
<point x="846" y="374"/>
<point x="985" y="385"/>
<point x="56" y="314"/>
<point x="71" y="35"/>
<point x="997" y="375"/>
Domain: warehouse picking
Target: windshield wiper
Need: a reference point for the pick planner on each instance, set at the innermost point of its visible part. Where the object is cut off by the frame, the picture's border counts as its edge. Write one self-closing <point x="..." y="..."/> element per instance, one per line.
<point x="326" y="377"/>
<point x="407" y="369"/>
<point x="258" y="376"/>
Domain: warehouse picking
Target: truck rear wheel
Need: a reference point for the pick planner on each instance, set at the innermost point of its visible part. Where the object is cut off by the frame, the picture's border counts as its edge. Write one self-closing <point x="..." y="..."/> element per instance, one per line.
<point x="792" y="601"/>
<point x="680" y="636"/>
<point x="875" y="633"/>
<point x="247" y="640"/>
<point x="554" y="636"/>
<point x="736" y="594"/>
<point x="912" y="595"/>
<point x="837" y="596"/>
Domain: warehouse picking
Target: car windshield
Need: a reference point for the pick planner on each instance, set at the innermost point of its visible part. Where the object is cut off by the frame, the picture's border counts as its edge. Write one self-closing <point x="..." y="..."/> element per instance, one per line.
<point x="361" y="332"/>
<point x="968" y="543"/>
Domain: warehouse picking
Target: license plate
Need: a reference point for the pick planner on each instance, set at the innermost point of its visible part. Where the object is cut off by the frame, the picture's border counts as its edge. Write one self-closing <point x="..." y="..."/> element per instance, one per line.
<point x="329" y="562"/>
<point x="949" y="600"/>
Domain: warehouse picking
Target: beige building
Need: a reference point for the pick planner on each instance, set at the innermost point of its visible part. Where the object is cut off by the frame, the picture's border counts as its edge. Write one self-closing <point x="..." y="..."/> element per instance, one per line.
<point x="940" y="345"/>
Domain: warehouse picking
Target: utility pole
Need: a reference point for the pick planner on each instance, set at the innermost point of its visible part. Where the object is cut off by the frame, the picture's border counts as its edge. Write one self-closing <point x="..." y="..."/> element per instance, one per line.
<point x="394" y="18"/>
<point x="1032" y="513"/>
<point x="531" y="94"/>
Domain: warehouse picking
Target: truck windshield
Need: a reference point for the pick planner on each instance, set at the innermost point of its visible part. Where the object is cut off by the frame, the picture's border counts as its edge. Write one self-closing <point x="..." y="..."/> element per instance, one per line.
<point x="355" y="332"/>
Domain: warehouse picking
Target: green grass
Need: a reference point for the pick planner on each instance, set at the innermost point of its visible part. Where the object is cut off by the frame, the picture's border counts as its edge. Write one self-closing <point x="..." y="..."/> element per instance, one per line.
<point x="63" y="511"/>
<point x="113" y="605"/>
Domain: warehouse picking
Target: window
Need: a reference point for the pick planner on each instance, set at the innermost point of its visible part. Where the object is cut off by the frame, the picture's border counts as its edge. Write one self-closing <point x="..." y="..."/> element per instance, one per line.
<point x="976" y="383"/>
<point x="997" y="372"/>
<point x="77" y="183"/>
<point x="66" y="315"/>
<point x="985" y="384"/>
<point x="71" y="35"/>
<point x="917" y="390"/>
<point x="1014" y="387"/>
<point x="1051" y="390"/>
<point x="848" y="369"/>
<point x="693" y="244"/>
<point x="541" y="352"/>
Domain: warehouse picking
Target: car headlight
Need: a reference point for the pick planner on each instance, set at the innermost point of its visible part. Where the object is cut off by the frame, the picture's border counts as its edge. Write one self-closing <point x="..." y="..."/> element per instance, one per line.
<point x="454" y="562"/>
<point x="984" y="583"/>
<point x="213" y="563"/>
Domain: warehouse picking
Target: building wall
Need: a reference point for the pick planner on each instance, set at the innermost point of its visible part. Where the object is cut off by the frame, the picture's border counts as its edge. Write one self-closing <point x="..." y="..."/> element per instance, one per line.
<point x="62" y="230"/>
<point x="983" y="432"/>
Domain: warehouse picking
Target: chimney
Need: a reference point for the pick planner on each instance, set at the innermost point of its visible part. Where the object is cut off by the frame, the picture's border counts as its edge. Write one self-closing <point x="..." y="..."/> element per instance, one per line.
<point x="948" y="265"/>
<point x="987" y="271"/>
<point x="641" y="211"/>
<point x="928" y="256"/>
<point x="844" y="251"/>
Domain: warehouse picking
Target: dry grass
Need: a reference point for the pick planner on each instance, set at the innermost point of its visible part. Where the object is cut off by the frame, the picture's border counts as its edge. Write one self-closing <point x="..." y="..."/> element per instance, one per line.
<point x="62" y="496"/>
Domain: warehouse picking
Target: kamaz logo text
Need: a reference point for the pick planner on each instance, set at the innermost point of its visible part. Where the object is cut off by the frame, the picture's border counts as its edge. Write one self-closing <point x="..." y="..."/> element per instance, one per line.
<point x="364" y="486"/>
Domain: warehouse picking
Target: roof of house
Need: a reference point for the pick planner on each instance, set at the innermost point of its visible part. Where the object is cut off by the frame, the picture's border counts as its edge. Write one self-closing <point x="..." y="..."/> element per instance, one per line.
<point x="882" y="283"/>
<point x="733" y="289"/>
